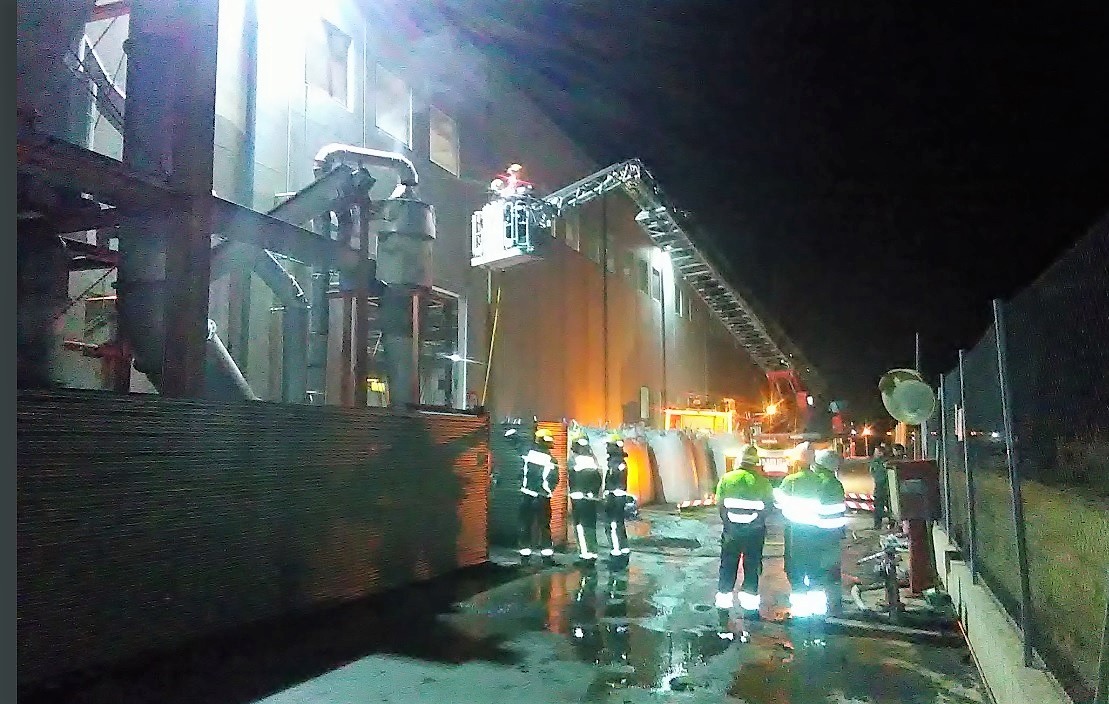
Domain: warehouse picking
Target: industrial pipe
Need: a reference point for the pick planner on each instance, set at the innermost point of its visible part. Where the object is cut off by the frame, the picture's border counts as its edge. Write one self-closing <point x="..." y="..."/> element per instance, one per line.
<point x="404" y="262"/>
<point x="46" y="31"/>
<point x="42" y="265"/>
<point x="353" y="156"/>
<point x="222" y="378"/>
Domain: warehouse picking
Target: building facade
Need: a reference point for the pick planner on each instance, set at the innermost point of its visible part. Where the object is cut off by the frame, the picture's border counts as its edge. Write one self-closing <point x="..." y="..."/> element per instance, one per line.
<point x="600" y="331"/>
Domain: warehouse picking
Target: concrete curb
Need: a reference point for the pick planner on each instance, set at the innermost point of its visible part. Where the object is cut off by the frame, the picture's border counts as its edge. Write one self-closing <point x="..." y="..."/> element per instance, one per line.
<point x="994" y="640"/>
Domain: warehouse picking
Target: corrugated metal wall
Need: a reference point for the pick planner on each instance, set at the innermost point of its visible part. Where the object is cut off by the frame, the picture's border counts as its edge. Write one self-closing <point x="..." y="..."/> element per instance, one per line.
<point x="703" y="465"/>
<point x="504" y="497"/>
<point x="145" y="521"/>
<point x="560" y="525"/>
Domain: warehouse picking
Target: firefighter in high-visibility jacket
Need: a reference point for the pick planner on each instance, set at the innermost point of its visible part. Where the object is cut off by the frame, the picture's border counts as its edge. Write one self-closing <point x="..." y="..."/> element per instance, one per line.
<point x="616" y="499"/>
<point x="812" y="503"/>
<point x="537" y="485"/>
<point x="743" y="497"/>
<point x="585" y="494"/>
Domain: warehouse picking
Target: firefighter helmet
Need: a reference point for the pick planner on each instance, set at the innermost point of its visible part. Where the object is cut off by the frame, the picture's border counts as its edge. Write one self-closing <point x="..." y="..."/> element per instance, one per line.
<point x="544" y="437"/>
<point x="748" y="457"/>
<point x="616" y="439"/>
<point x="581" y="444"/>
<point x="828" y="459"/>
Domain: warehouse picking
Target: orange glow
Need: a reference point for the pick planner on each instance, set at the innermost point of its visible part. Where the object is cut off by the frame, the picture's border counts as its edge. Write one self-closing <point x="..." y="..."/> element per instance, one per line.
<point x="771" y="409"/>
<point x="699" y="419"/>
<point x="639" y="472"/>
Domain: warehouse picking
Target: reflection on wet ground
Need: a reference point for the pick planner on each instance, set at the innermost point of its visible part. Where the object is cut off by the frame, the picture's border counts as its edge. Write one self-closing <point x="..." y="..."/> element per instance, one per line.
<point x="563" y="634"/>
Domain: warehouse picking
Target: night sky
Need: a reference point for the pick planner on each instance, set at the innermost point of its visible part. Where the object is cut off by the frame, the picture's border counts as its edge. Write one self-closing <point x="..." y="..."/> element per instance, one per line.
<point x="868" y="169"/>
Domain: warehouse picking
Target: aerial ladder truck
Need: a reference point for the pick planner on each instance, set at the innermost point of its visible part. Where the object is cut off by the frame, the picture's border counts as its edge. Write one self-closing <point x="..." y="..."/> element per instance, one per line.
<point x="515" y="227"/>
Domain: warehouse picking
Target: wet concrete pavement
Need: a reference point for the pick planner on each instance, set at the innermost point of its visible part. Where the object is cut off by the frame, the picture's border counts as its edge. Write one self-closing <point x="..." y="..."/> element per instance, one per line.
<point x="503" y="634"/>
<point x="855" y="476"/>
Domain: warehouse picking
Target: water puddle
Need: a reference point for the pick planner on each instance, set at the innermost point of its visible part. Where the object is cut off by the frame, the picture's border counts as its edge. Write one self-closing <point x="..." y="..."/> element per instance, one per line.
<point x="630" y="655"/>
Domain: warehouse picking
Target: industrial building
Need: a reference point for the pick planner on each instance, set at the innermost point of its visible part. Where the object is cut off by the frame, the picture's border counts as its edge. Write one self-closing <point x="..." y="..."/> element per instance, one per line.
<point x="263" y="211"/>
<point x="601" y="330"/>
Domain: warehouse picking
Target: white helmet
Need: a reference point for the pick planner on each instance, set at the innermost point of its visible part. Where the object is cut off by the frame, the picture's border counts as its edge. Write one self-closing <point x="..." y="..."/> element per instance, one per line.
<point x="804" y="454"/>
<point x="828" y="459"/>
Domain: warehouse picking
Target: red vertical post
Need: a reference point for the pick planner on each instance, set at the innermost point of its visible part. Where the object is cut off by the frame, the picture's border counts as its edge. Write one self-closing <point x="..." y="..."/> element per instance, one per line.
<point x="920" y="561"/>
<point x="918" y="501"/>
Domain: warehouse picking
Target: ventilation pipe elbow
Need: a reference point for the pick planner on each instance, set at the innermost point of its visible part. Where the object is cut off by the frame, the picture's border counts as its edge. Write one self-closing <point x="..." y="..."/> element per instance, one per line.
<point x="353" y="156"/>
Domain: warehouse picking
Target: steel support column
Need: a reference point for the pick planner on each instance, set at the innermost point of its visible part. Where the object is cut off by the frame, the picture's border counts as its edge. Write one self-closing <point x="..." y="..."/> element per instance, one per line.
<point x="971" y="537"/>
<point x="362" y="307"/>
<point x="346" y="381"/>
<point x="942" y="459"/>
<point x="1012" y="460"/>
<point x="170" y="131"/>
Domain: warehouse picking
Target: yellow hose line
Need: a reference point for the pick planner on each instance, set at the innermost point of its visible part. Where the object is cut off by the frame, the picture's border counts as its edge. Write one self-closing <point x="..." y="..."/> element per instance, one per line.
<point x="492" y="340"/>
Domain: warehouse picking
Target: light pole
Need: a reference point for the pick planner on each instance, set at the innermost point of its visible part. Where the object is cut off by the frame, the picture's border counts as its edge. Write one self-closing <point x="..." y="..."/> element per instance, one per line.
<point x="867" y="432"/>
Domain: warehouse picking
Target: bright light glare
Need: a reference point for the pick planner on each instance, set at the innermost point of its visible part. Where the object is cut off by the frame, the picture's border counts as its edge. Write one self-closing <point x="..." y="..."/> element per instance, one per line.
<point x="771" y="409"/>
<point x="868" y="431"/>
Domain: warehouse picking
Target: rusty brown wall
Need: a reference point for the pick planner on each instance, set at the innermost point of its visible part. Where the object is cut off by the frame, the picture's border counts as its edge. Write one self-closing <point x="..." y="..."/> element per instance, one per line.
<point x="145" y="521"/>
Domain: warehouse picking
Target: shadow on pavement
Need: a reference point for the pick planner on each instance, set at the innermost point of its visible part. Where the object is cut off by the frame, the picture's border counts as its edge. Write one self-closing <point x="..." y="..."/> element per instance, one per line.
<point x="248" y="664"/>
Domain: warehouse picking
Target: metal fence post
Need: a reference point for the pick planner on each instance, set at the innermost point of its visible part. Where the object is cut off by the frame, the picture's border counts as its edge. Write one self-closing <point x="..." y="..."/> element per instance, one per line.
<point x="1011" y="460"/>
<point x="943" y="459"/>
<point x="971" y="523"/>
<point x="1101" y="696"/>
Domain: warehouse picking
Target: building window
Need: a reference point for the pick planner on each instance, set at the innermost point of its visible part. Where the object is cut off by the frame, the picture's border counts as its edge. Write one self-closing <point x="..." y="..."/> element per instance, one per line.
<point x="610" y="257"/>
<point x="571" y="226"/>
<point x="394" y="106"/>
<point x="327" y="64"/>
<point x="679" y="300"/>
<point x="444" y="141"/>
<point x="591" y="245"/>
<point x="656" y="284"/>
<point x="642" y="275"/>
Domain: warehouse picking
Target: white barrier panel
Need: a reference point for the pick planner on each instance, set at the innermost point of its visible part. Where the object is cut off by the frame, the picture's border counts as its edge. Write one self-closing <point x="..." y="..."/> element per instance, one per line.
<point x="724" y="445"/>
<point x="674" y="467"/>
<point x="703" y="463"/>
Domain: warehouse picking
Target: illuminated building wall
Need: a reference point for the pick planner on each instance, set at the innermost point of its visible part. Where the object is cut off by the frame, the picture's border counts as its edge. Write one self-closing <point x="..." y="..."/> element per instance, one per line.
<point x="360" y="73"/>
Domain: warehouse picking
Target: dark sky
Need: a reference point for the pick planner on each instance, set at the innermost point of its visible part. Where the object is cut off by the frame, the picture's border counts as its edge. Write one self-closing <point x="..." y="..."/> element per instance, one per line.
<point x="868" y="168"/>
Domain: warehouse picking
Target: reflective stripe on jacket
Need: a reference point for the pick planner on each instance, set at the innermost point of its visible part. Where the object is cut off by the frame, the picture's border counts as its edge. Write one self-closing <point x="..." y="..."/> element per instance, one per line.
<point x="812" y="499"/>
<point x="540" y="474"/>
<point x="744" y="498"/>
<point x="585" y="478"/>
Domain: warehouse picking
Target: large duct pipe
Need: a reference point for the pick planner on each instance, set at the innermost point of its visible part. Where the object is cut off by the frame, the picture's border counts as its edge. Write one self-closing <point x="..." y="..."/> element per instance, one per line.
<point x="404" y="262"/>
<point x="155" y="106"/>
<point x="45" y="31"/>
<point x="141" y="306"/>
<point x="42" y="268"/>
<point x="319" y="320"/>
<point x="294" y="332"/>
<point x="349" y="155"/>
<point x="222" y="378"/>
<point x="399" y="316"/>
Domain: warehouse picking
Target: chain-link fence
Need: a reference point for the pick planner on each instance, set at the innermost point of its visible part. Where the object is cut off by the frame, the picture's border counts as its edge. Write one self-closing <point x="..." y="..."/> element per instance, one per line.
<point x="1023" y="443"/>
